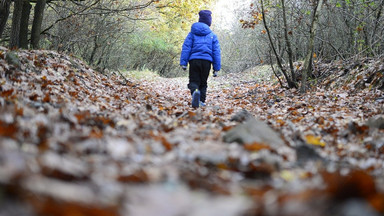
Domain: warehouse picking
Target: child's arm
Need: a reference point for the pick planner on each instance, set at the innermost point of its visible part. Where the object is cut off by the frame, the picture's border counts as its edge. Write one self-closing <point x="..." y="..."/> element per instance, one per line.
<point x="186" y="50"/>
<point x="216" y="54"/>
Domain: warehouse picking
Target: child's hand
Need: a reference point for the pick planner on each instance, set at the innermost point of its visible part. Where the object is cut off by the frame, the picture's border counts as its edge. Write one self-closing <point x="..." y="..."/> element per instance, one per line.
<point x="215" y="73"/>
<point x="184" y="67"/>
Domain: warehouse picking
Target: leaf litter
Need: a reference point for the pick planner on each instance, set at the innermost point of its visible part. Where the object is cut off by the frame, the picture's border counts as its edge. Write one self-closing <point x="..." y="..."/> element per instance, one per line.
<point x="77" y="142"/>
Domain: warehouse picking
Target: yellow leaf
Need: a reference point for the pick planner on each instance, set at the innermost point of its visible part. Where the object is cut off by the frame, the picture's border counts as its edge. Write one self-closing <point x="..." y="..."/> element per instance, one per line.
<point x="287" y="175"/>
<point x="281" y="122"/>
<point x="314" y="55"/>
<point x="260" y="16"/>
<point x="312" y="140"/>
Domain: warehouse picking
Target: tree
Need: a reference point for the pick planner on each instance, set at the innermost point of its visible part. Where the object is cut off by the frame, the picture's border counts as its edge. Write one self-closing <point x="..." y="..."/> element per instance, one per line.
<point x="298" y="29"/>
<point x="16" y="21"/>
<point x="288" y="42"/>
<point x="157" y="44"/>
<point x="174" y="17"/>
<point x="308" y="58"/>
<point x="37" y="21"/>
<point x="23" y="37"/>
<point x="290" y="80"/>
<point x="100" y="31"/>
<point x="4" y="13"/>
<point x="96" y="30"/>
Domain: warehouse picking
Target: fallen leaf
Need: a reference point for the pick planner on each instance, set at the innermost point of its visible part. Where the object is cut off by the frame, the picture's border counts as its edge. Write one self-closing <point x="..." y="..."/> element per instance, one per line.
<point x="314" y="140"/>
<point x="256" y="146"/>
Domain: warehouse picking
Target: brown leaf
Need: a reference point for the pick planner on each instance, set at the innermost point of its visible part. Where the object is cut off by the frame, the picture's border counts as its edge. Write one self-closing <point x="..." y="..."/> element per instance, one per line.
<point x="377" y="202"/>
<point x="96" y="133"/>
<point x="227" y="128"/>
<point x="256" y="146"/>
<point x="139" y="176"/>
<point x="19" y="111"/>
<point x="167" y="145"/>
<point x="8" y="130"/>
<point x="357" y="184"/>
<point x="6" y="93"/>
<point x="49" y="206"/>
<point x="46" y="98"/>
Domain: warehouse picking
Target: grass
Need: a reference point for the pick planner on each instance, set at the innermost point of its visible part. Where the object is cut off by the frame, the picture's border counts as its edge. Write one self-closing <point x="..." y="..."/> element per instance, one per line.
<point x="141" y="75"/>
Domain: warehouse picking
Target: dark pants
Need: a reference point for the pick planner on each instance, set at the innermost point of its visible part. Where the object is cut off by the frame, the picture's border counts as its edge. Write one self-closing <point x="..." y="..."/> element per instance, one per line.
<point x="198" y="76"/>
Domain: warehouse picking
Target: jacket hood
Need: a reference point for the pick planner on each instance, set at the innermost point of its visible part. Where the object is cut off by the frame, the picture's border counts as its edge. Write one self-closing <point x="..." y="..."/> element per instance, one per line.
<point x="200" y="29"/>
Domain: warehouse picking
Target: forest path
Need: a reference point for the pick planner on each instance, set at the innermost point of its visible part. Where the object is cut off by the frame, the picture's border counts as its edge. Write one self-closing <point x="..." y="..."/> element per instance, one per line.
<point x="74" y="141"/>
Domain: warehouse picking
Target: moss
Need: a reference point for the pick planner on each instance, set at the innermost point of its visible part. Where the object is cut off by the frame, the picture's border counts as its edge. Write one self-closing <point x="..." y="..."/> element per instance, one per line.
<point x="13" y="59"/>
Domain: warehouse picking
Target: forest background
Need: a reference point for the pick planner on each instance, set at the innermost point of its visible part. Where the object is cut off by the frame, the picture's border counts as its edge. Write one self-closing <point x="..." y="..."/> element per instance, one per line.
<point x="147" y="35"/>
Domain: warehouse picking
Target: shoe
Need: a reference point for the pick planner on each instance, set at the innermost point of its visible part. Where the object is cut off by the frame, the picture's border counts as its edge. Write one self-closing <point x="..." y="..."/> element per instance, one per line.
<point x="195" y="98"/>
<point x="202" y="104"/>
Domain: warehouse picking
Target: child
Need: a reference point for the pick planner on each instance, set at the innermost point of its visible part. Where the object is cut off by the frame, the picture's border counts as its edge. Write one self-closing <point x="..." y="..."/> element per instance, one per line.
<point x="201" y="48"/>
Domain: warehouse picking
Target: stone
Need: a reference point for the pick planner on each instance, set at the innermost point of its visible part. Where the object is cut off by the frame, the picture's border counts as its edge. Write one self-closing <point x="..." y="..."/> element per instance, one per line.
<point x="376" y="122"/>
<point x="241" y="116"/>
<point x="306" y="153"/>
<point x="254" y="131"/>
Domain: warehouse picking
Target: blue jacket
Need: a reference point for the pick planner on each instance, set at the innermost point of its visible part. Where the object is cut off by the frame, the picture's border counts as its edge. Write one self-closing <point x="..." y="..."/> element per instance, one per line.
<point x="201" y="43"/>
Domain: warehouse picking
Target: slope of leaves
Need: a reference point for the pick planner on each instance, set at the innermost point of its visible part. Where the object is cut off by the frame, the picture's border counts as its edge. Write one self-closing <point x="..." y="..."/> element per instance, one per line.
<point x="77" y="142"/>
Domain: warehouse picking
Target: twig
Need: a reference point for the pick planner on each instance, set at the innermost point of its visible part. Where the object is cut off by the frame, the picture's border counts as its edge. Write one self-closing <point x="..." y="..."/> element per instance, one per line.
<point x="126" y="80"/>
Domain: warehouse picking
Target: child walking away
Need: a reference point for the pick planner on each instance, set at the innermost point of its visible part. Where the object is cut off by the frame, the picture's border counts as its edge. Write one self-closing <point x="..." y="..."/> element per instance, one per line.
<point x="201" y="49"/>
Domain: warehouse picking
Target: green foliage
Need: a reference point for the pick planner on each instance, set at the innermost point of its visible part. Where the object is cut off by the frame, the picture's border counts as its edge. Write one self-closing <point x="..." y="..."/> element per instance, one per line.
<point x="339" y="2"/>
<point x="174" y="18"/>
<point x="158" y="44"/>
<point x="149" y="51"/>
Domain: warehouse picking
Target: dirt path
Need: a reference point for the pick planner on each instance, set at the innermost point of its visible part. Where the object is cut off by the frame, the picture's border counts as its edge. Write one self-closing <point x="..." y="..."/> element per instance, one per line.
<point x="74" y="141"/>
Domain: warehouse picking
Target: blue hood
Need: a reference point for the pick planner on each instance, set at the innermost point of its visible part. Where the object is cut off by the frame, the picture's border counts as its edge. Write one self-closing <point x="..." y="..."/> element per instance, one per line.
<point x="201" y="43"/>
<point x="200" y="29"/>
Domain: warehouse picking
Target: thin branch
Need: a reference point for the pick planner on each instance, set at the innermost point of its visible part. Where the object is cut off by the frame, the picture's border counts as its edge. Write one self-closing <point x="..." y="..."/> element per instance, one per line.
<point x="290" y="83"/>
<point x="67" y="17"/>
<point x="333" y="47"/>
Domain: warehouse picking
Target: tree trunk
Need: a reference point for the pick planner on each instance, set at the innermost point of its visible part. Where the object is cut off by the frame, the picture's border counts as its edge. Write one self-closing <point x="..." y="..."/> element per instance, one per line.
<point x="376" y="26"/>
<point x="308" y="59"/>
<point x="37" y="21"/>
<point x="16" y="20"/>
<point x="94" y="50"/>
<point x="24" y="24"/>
<point x="4" y="14"/>
<point x="287" y="41"/>
<point x="349" y="37"/>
